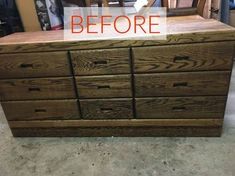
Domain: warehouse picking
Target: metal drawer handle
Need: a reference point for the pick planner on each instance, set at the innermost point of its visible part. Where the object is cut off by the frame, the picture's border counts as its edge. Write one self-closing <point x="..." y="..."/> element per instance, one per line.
<point x="31" y="89"/>
<point x="40" y="110"/>
<point x="106" y="109"/>
<point x="180" y="84"/>
<point x="26" y="65"/>
<point x="179" y="108"/>
<point x="103" y="87"/>
<point x="100" y="62"/>
<point x="180" y="58"/>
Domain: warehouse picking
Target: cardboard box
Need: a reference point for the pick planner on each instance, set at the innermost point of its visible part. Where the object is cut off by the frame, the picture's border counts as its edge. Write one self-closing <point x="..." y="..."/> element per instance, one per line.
<point x="28" y="15"/>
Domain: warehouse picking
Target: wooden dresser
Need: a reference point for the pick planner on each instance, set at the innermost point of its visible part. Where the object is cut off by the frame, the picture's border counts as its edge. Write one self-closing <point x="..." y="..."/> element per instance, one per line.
<point x="175" y="87"/>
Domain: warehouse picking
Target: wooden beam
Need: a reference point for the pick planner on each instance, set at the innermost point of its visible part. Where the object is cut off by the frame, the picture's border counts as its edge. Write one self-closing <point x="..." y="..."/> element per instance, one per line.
<point x="207" y="9"/>
<point x="200" y="7"/>
<point x="182" y="12"/>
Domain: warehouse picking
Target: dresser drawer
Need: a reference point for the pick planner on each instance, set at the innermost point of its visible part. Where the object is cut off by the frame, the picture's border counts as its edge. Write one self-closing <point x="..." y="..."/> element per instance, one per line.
<point x="181" y="107"/>
<point x="41" y="110"/>
<point x="104" y="86"/>
<point x="205" y="56"/>
<point x="177" y="84"/>
<point x="107" y="108"/>
<point x="40" y="88"/>
<point x="34" y="65"/>
<point x="98" y="62"/>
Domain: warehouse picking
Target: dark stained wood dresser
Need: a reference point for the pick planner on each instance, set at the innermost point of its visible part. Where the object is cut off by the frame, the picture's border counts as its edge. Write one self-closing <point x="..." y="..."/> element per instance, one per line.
<point x="176" y="87"/>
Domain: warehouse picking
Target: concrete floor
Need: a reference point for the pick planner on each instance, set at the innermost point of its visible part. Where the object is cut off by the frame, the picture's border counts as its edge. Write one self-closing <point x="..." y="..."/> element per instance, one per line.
<point x="120" y="156"/>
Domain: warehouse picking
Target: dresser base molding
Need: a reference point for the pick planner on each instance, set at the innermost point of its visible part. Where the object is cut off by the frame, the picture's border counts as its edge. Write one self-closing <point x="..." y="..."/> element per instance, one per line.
<point x="117" y="123"/>
<point x="119" y="132"/>
<point x="125" y="128"/>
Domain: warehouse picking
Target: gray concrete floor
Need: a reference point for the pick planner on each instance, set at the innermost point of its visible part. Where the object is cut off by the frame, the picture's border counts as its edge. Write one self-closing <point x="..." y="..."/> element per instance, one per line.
<point x="120" y="156"/>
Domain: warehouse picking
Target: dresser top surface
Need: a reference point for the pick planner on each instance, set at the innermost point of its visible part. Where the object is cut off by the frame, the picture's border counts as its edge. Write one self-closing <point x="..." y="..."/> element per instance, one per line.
<point x="186" y="29"/>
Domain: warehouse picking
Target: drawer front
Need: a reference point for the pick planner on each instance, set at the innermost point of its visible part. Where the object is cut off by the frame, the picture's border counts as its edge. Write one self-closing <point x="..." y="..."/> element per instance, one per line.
<point x="104" y="86"/>
<point x="177" y="84"/>
<point x="40" y="88"/>
<point x="34" y="65"/>
<point x="41" y="110"/>
<point x="211" y="56"/>
<point x="98" y="62"/>
<point x="107" y="109"/>
<point x="181" y="107"/>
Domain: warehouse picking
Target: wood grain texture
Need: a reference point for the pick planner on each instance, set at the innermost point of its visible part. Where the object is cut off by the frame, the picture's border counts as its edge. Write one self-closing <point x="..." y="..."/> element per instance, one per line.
<point x="41" y="110"/>
<point x="104" y="86"/>
<point x="188" y="102"/>
<point x="181" y="11"/>
<point x="118" y="123"/>
<point x="183" y="107"/>
<point x="182" y="84"/>
<point x="116" y="132"/>
<point x="34" y="65"/>
<point x="39" y="89"/>
<point x="190" y="29"/>
<point x="190" y="57"/>
<point x="107" y="108"/>
<point x="103" y="61"/>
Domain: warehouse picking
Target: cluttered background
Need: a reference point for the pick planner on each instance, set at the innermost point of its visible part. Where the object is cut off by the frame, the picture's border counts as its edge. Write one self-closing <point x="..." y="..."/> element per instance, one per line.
<point x="39" y="15"/>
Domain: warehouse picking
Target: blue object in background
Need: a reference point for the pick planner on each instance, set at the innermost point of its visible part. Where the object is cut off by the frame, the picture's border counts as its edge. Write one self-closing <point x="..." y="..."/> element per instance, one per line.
<point x="232" y="5"/>
<point x="225" y="11"/>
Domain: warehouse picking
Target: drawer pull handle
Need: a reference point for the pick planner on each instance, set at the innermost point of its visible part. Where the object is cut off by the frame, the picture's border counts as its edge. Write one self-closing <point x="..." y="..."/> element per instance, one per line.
<point x="100" y="62"/>
<point x="26" y="65"/>
<point x="179" y="108"/>
<point x="103" y="87"/>
<point x="40" y="110"/>
<point x="106" y="109"/>
<point x="34" y="89"/>
<point x="180" y="58"/>
<point x="180" y="84"/>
